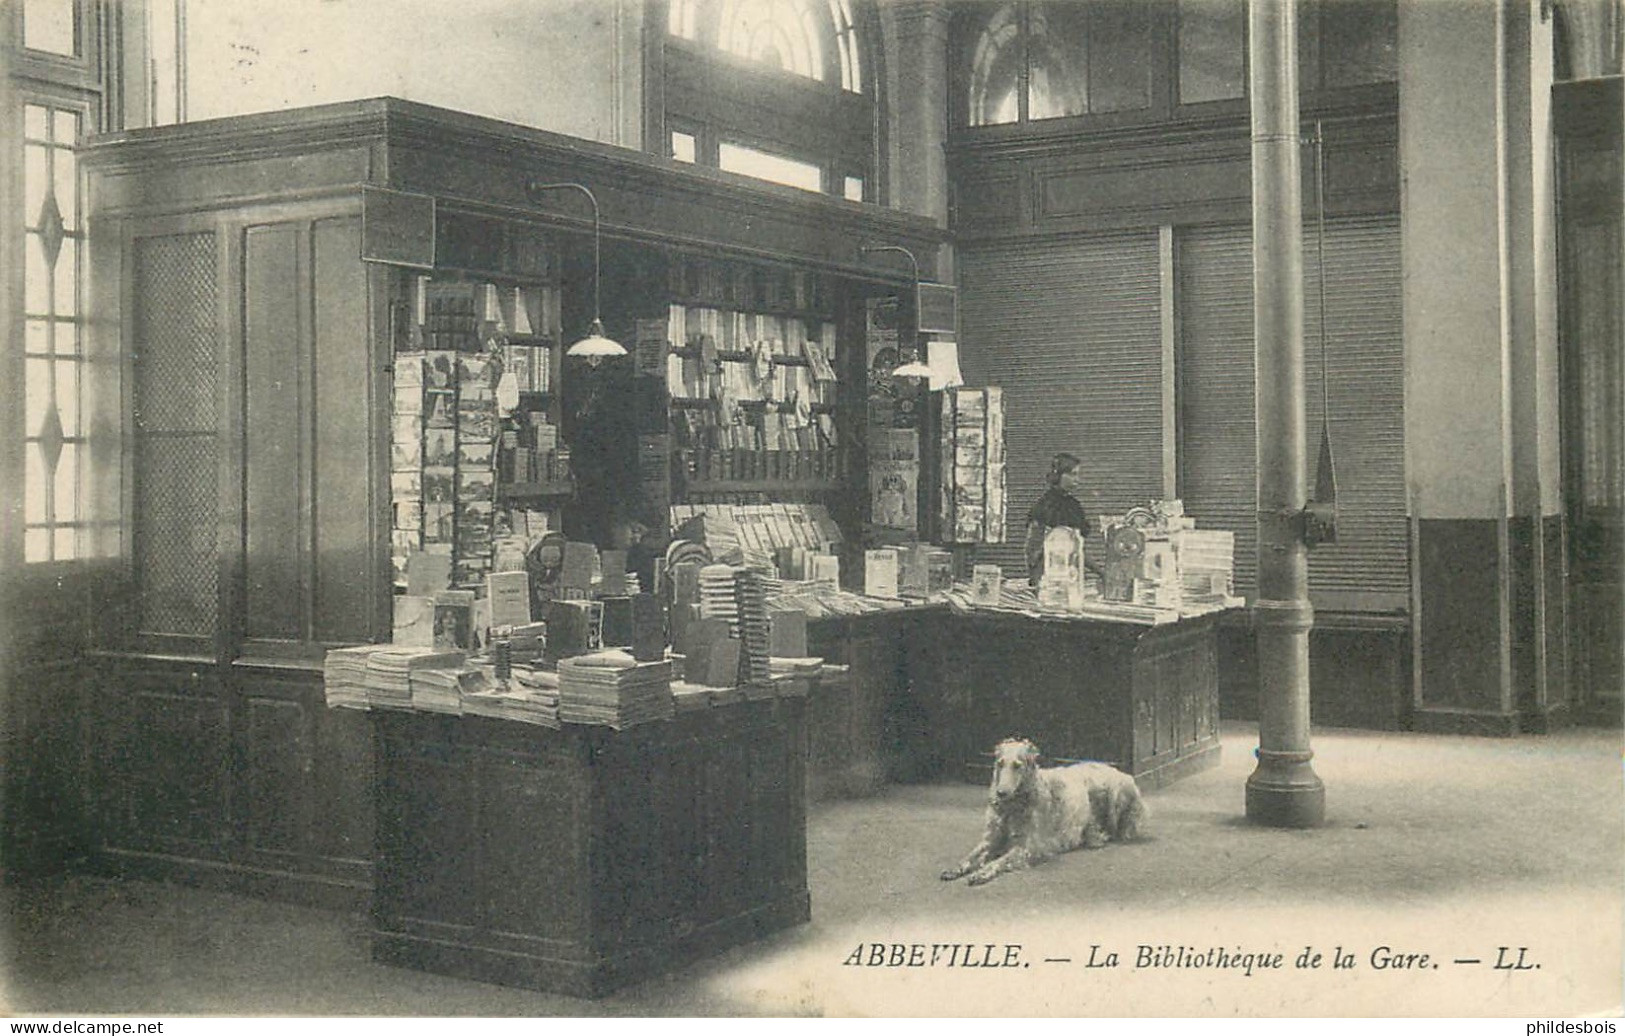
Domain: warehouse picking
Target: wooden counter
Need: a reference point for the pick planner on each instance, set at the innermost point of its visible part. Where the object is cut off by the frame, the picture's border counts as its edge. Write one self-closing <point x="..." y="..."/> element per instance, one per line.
<point x="1144" y="698"/>
<point x="583" y="859"/>
<point x="931" y="689"/>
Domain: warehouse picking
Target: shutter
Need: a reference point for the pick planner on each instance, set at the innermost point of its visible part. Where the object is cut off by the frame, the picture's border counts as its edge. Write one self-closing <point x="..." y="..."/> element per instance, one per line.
<point x="1071" y="330"/>
<point x="1218" y="461"/>
<point x="1365" y="354"/>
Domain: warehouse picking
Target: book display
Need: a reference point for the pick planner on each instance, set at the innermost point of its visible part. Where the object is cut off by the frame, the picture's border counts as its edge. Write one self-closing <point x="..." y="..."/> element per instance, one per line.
<point x="532" y="463"/>
<point x="796" y="541"/>
<point x="752" y="397"/>
<point x="749" y="368"/>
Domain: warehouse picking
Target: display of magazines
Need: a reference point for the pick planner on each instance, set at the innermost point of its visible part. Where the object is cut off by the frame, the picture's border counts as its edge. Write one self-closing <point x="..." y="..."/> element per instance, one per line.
<point x="972" y="466"/>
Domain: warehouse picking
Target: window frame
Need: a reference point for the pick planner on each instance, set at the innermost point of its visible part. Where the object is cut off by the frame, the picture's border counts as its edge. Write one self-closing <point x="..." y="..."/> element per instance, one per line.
<point x="83" y="83"/>
<point x="694" y="87"/>
<point x="1165" y="108"/>
<point x="79" y="438"/>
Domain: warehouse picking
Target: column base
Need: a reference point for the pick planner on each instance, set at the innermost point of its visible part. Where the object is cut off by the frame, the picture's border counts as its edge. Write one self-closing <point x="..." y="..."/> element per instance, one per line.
<point x="1290" y="796"/>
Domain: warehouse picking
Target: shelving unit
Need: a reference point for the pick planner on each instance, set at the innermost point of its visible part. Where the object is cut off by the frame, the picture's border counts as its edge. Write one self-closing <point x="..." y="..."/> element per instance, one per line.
<point x="753" y="396"/>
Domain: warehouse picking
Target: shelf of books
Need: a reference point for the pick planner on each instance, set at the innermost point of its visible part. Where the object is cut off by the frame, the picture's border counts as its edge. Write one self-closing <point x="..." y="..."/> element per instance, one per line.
<point x="751" y="402"/>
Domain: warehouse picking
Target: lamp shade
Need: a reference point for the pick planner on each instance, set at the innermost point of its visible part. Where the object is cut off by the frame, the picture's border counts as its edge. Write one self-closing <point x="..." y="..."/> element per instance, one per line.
<point x="912" y="369"/>
<point x="596" y="346"/>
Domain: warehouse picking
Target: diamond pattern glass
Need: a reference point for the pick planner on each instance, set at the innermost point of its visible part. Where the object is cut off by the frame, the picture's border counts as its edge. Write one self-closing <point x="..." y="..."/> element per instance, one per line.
<point x="50" y="220"/>
<point x="51" y="229"/>
<point x="50" y="439"/>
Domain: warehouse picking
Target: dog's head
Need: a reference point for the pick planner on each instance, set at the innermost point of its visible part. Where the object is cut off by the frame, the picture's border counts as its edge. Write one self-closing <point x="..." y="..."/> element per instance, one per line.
<point x="1015" y="771"/>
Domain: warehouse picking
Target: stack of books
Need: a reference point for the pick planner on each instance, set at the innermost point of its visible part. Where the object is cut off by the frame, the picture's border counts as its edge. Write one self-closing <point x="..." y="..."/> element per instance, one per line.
<point x="613" y="689"/>
<point x="717" y="598"/>
<point x="820" y="599"/>
<point x="690" y="697"/>
<point x="344" y="676"/>
<point x="1157" y="593"/>
<point x="530" y="696"/>
<point x="755" y="632"/>
<point x="444" y="690"/>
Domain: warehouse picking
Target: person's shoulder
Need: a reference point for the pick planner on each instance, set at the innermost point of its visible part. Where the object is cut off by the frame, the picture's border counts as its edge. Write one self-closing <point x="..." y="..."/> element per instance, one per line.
<point x="1045" y="502"/>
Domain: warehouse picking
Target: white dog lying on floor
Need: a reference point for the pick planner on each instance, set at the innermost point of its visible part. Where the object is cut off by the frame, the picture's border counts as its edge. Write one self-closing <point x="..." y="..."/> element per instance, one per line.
<point x="1034" y="813"/>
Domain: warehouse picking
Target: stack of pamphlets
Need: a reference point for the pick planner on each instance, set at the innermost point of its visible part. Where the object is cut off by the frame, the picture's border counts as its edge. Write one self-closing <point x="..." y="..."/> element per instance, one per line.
<point x="530" y="696"/>
<point x="390" y="667"/>
<point x="344" y="674"/>
<point x="443" y="690"/>
<point x="614" y="689"/>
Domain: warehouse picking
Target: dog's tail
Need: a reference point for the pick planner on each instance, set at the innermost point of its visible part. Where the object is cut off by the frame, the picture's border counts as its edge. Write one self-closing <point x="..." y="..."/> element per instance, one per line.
<point x="1136" y="812"/>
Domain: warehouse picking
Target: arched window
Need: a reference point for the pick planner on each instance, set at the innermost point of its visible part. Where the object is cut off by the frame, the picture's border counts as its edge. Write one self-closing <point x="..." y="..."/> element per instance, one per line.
<point x="997" y="60"/>
<point x="1036" y="60"/>
<point x="1107" y="63"/>
<point x="778" y="89"/>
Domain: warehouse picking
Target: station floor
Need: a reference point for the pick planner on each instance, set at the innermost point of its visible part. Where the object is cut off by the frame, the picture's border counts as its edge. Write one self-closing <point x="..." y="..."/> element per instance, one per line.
<point x="1455" y="876"/>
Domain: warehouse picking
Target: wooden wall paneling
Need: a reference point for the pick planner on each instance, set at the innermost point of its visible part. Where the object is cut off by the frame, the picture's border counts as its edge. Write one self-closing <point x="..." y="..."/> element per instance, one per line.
<point x="275" y="747"/>
<point x="570" y="892"/>
<point x="428" y="835"/>
<point x="1181" y="175"/>
<point x="345" y="581"/>
<point x="166" y="746"/>
<point x="300" y="789"/>
<point x="47" y="809"/>
<point x="1591" y="299"/>
<point x="274" y="356"/>
<point x="685" y="858"/>
<point x="765" y="775"/>
<point x="193" y="176"/>
<point x="388" y="302"/>
<point x="340" y="772"/>
<point x="629" y="836"/>
<point x="553" y="841"/>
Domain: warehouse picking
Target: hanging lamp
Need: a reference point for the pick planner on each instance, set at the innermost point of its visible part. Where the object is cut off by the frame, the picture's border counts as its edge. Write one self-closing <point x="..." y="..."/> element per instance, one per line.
<point x="596" y="346"/>
<point x="916" y="367"/>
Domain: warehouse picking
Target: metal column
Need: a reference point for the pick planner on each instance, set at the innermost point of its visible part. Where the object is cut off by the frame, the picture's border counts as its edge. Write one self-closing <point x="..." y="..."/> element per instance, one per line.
<point x="1284" y="790"/>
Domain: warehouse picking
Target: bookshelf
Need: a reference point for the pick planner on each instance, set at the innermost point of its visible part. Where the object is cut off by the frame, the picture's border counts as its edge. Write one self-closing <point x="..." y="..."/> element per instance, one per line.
<point x="749" y="361"/>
